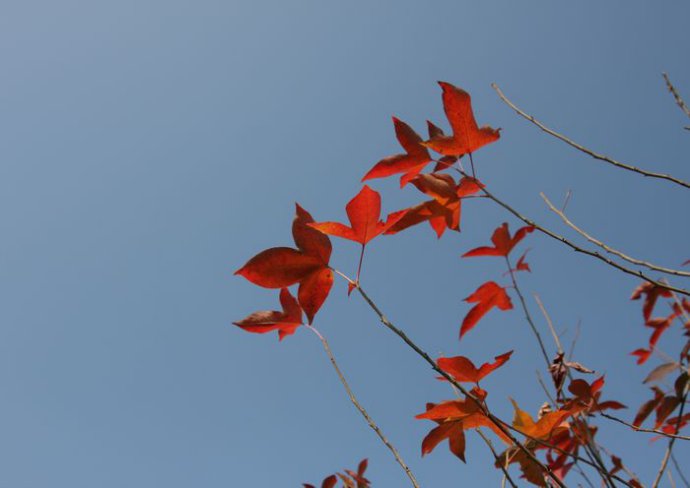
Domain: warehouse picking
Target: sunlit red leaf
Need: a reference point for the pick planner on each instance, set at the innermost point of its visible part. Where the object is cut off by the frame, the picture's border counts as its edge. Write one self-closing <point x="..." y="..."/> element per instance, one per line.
<point x="467" y="137"/>
<point x="648" y="407"/>
<point x="444" y="211"/>
<point x="502" y="241"/>
<point x="280" y="267"/>
<point x="285" y="322"/>
<point x="363" y="211"/>
<point x="454" y="417"/>
<point x="411" y="162"/>
<point x="463" y="369"/>
<point x="486" y="297"/>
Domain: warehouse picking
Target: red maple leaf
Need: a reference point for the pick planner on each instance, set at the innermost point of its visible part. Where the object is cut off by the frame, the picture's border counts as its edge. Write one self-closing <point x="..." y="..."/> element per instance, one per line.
<point x="502" y="241"/>
<point x="652" y="293"/>
<point x="285" y="322"/>
<point x="363" y="211"/>
<point x="410" y="163"/>
<point x="467" y="137"/>
<point x="280" y="267"/>
<point x="462" y="369"/>
<point x="446" y="161"/>
<point x="454" y="417"/>
<point x="486" y="297"/>
<point x="445" y="210"/>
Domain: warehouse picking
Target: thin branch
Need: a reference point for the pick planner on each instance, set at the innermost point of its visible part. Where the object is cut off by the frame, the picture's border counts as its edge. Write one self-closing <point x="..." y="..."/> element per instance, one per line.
<point x="504" y="427"/>
<point x="678" y="470"/>
<point x="585" y="150"/>
<point x="640" y="429"/>
<point x="608" y="248"/>
<point x="575" y="338"/>
<point x="495" y="420"/>
<point x="669" y="449"/>
<point x="496" y="457"/>
<point x="676" y="95"/>
<point x="361" y="409"/>
<point x="528" y="316"/>
<point x="625" y="468"/>
<point x="546" y="390"/>
<point x="563" y="451"/>
<point x="549" y="322"/>
<point x="576" y="248"/>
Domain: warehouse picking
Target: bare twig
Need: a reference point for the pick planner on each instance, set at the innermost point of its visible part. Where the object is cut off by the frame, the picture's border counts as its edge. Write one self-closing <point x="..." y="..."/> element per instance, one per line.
<point x="504" y="427"/>
<point x="676" y="95"/>
<point x="549" y="322"/>
<point x="361" y="409"/>
<point x="576" y="248"/>
<point x="585" y="150"/>
<point x="640" y="429"/>
<point x="678" y="470"/>
<point x="563" y="451"/>
<point x="608" y="248"/>
<point x="424" y="355"/>
<point x="528" y="316"/>
<point x="669" y="449"/>
<point x="496" y="457"/>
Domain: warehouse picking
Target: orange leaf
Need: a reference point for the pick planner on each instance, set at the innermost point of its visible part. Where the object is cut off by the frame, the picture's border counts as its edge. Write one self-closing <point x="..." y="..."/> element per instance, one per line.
<point x="467" y="137"/>
<point x="542" y="429"/>
<point x="487" y="296"/>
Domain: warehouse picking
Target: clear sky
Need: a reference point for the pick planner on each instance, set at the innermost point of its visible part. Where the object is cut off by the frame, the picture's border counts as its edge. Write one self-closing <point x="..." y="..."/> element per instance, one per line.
<point x="148" y="148"/>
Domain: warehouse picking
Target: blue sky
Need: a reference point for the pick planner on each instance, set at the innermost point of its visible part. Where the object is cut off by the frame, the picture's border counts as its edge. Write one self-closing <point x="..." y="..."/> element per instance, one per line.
<point x="149" y="148"/>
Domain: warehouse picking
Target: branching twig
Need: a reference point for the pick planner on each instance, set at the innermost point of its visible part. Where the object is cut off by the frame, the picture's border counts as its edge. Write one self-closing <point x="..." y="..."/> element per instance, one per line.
<point x="585" y="150"/>
<point x="576" y="248"/>
<point x="676" y="95"/>
<point x="650" y="431"/>
<point x="361" y="409"/>
<point x="608" y="248"/>
<point x="669" y="449"/>
<point x="678" y="470"/>
<point x="528" y="316"/>
<point x="495" y="420"/>
<point x="496" y="457"/>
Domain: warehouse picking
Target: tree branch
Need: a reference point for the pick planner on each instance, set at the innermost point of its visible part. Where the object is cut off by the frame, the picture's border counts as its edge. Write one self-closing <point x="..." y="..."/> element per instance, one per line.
<point x="640" y="429"/>
<point x="496" y="457"/>
<point x="676" y="95"/>
<point x="585" y="150"/>
<point x="607" y="248"/>
<point x="495" y="420"/>
<point x="576" y="248"/>
<point x="361" y="409"/>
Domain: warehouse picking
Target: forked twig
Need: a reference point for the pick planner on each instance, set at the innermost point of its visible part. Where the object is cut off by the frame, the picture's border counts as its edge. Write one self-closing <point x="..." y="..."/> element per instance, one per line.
<point x="676" y="95"/>
<point x="640" y="429"/>
<point x="361" y="409"/>
<point x="576" y="248"/>
<point x="496" y="457"/>
<point x="585" y="150"/>
<point x="608" y="248"/>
